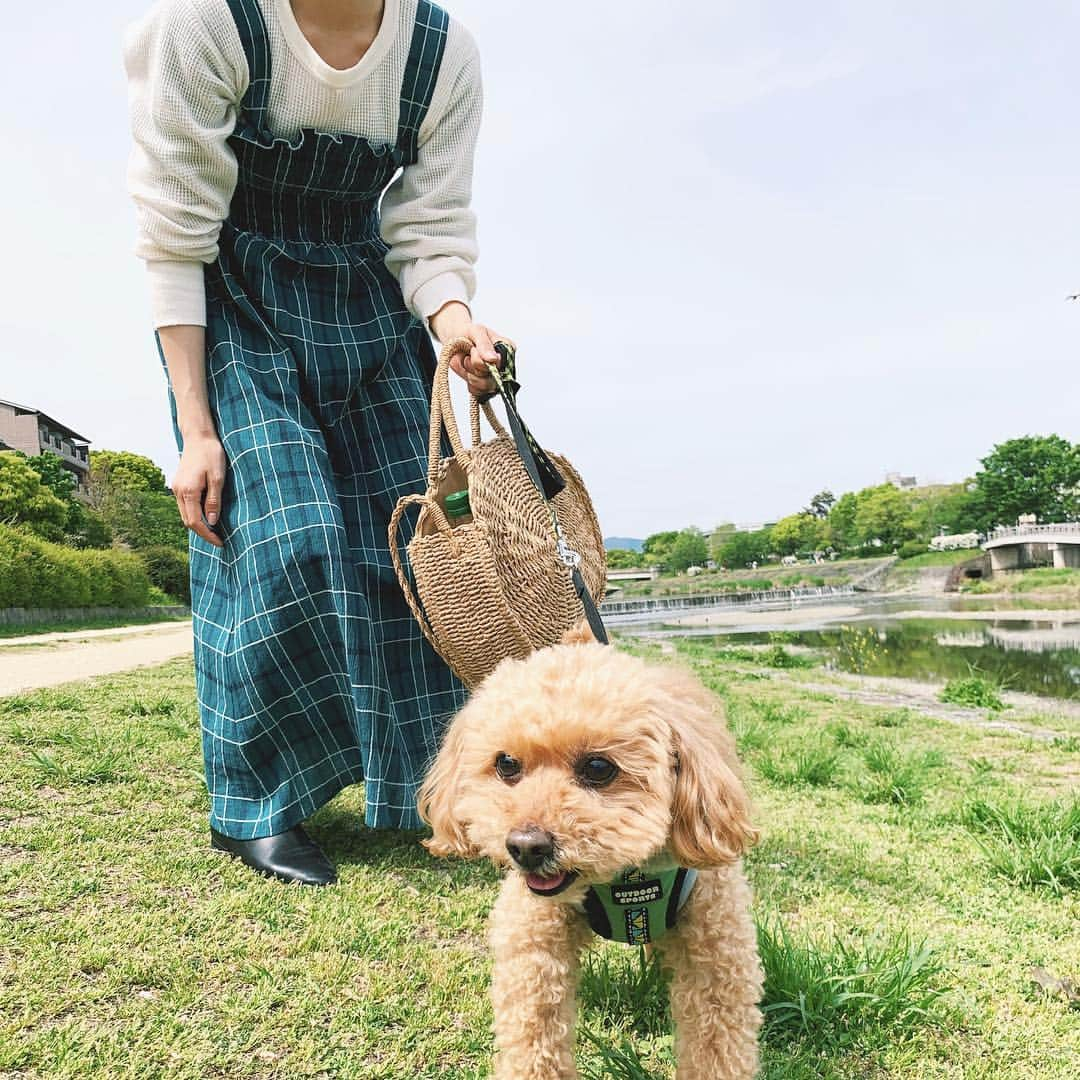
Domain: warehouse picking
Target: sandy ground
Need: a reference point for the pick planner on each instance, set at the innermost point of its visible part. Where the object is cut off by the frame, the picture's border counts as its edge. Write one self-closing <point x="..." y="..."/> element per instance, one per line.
<point x="38" y="660"/>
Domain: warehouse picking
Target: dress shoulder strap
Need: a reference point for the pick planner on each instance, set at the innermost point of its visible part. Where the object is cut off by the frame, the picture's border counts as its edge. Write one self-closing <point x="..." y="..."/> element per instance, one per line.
<point x="251" y="27"/>
<point x="421" y="73"/>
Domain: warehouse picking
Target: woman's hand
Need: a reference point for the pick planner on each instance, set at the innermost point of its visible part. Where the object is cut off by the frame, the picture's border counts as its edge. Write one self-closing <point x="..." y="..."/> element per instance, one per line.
<point x="454" y="320"/>
<point x="197" y="485"/>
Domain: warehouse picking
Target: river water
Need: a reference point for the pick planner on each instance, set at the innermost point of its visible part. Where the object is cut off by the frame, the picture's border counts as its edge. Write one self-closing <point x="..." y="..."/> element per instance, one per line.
<point x="1026" y="646"/>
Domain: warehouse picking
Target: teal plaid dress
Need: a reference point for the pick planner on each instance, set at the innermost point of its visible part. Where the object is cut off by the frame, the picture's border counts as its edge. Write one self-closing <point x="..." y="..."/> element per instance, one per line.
<point x="310" y="670"/>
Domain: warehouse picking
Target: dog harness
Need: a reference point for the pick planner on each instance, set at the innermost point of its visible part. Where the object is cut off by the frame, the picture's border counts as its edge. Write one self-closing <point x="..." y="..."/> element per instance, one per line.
<point x="640" y="904"/>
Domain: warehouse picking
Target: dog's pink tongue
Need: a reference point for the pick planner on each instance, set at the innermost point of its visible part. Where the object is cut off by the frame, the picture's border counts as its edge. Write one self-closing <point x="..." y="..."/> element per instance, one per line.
<point x="545" y="884"/>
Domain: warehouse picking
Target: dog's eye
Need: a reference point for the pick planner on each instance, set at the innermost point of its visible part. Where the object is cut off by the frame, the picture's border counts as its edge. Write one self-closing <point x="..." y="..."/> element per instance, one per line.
<point x="596" y="771"/>
<point x="507" y="767"/>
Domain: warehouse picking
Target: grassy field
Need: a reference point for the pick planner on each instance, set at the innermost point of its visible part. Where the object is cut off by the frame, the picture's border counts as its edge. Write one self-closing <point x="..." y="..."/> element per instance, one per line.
<point x="939" y="558"/>
<point x="1047" y="579"/>
<point x="911" y="875"/>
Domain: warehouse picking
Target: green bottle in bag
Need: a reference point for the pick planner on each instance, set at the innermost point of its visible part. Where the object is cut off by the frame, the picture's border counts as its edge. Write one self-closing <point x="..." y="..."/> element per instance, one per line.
<point x="458" y="511"/>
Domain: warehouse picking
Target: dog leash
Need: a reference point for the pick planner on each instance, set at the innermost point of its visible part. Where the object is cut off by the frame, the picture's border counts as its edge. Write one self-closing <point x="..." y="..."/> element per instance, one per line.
<point x="545" y="477"/>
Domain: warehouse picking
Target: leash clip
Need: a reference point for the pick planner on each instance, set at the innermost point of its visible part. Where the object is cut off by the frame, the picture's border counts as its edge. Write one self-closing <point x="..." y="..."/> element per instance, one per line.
<point x="567" y="555"/>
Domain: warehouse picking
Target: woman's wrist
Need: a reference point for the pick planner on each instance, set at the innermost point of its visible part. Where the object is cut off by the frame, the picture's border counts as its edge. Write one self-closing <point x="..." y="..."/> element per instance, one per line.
<point x="452" y="320"/>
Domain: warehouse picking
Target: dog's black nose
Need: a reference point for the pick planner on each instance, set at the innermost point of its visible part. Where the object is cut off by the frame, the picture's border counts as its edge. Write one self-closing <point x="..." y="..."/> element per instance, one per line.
<point x="530" y="847"/>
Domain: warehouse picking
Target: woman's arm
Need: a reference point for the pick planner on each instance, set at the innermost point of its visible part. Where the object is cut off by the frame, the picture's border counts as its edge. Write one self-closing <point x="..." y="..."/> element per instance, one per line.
<point x="427" y="220"/>
<point x="201" y="474"/>
<point x="184" y="79"/>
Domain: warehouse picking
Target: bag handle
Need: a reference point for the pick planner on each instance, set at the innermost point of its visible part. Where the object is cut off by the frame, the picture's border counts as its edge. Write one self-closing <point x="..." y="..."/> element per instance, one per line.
<point x="393" y="531"/>
<point x="541" y="469"/>
<point x="547" y="480"/>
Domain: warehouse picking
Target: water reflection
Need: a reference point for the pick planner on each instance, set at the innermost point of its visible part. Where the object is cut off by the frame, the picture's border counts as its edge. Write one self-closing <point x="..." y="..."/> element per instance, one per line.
<point x="1039" y="655"/>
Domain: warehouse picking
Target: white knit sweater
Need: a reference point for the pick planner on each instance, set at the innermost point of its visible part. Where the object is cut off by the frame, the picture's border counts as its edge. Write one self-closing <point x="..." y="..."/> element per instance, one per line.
<point x="187" y="74"/>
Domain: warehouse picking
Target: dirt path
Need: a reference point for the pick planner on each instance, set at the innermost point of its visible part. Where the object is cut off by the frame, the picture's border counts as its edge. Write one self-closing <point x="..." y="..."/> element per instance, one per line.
<point x="34" y="661"/>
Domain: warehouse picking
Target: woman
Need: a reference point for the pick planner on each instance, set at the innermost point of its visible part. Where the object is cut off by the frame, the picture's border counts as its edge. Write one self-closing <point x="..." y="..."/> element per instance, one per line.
<point x="292" y="319"/>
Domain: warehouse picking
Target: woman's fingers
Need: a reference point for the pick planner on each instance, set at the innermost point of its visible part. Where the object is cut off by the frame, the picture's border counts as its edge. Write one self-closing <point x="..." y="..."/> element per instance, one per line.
<point x="472" y="366"/>
<point x="480" y="380"/>
<point x="483" y="345"/>
<point x="212" y="503"/>
<point x="189" y="499"/>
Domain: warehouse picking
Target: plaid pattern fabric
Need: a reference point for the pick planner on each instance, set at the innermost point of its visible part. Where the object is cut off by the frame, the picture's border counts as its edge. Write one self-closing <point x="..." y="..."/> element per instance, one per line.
<point x="311" y="672"/>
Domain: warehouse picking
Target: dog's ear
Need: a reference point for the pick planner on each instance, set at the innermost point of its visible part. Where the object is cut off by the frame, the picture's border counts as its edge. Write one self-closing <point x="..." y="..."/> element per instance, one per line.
<point x="579" y="634"/>
<point x="710" y="823"/>
<point x="438" y="796"/>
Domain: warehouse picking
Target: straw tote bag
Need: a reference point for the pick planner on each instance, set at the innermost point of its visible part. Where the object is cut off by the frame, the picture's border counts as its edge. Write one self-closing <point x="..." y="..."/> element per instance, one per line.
<point x="531" y="561"/>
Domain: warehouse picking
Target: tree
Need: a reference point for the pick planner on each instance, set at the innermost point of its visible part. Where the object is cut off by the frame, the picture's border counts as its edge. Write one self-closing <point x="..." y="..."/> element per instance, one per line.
<point x="842" y="522"/>
<point x="25" y="500"/>
<point x="656" y="548"/>
<point x="744" y="548"/>
<point x="798" y="532"/>
<point x="623" y="559"/>
<point x="720" y="535"/>
<point x="1034" y="474"/>
<point x="821" y="504"/>
<point x="689" y="549"/>
<point x="145" y="519"/>
<point x="883" y="513"/>
<point x="50" y="467"/>
<point x="123" y="470"/>
<point x="128" y="492"/>
<point x="945" y="508"/>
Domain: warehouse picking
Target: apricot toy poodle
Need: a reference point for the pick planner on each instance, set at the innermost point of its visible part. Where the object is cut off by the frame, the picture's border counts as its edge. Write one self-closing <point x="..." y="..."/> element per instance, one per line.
<point x="610" y="790"/>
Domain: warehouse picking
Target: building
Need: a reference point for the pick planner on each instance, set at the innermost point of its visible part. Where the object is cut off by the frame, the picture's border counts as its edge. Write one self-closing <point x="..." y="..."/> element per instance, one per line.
<point x="33" y="432"/>
<point x="904" y="483"/>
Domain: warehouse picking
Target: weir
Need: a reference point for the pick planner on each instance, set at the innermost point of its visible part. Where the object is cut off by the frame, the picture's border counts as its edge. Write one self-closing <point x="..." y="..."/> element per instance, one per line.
<point x="761" y="597"/>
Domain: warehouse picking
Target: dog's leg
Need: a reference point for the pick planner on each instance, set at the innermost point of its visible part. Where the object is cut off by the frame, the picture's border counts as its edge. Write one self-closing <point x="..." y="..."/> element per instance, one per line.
<point x="536" y="945"/>
<point x="716" y="980"/>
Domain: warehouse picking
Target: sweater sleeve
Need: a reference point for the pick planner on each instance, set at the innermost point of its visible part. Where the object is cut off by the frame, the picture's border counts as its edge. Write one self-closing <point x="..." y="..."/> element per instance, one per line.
<point x="426" y="217"/>
<point x="186" y="75"/>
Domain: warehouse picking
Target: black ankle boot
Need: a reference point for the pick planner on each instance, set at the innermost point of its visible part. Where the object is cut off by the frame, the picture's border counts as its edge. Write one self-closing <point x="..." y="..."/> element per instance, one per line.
<point x="287" y="856"/>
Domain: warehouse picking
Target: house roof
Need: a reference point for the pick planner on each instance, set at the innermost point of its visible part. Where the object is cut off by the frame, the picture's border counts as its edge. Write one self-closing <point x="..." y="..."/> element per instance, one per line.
<point x="71" y="433"/>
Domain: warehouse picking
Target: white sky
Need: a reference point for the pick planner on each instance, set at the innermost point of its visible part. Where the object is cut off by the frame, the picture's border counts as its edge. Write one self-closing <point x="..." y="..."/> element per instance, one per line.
<point x="747" y="250"/>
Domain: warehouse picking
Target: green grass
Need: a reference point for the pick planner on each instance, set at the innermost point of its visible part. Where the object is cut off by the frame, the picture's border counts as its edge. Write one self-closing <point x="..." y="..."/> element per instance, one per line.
<point x="8" y="630"/>
<point x="897" y="934"/>
<point x="813" y="766"/>
<point x="895" y="776"/>
<point x="1044" y="579"/>
<point x="1035" y="846"/>
<point x="974" y="692"/>
<point x="939" y="558"/>
<point x="834" y="992"/>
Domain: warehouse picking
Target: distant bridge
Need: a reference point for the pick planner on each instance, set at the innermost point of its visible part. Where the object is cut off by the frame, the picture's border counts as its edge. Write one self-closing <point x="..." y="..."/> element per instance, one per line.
<point x="1014" y="547"/>
<point x="633" y="575"/>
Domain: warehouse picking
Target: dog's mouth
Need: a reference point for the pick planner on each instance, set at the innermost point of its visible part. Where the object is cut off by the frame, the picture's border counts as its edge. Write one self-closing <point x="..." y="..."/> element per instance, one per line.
<point x="550" y="885"/>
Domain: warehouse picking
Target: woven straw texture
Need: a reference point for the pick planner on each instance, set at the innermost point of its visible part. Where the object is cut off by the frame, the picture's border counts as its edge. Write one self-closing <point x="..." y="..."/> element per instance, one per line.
<point x="494" y="588"/>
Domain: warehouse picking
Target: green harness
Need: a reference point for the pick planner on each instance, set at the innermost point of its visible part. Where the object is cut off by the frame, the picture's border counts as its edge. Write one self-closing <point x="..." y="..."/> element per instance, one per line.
<point x="640" y="904"/>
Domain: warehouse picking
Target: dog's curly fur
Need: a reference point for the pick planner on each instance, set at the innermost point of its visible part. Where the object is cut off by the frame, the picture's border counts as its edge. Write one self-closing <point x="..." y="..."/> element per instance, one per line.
<point x="678" y="789"/>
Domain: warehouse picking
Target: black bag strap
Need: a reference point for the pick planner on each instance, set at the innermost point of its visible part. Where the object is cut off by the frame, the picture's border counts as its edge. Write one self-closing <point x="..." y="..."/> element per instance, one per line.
<point x="544" y="475"/>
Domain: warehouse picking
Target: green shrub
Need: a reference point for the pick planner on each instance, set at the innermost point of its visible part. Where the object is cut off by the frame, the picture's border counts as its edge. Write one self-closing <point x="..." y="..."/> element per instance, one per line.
<point x="776" y="656"/>
<point x="167" y="568"/>
<point x="974" y="692"/>
<point x="36" y="573"/>
<point x="910" y="548"/>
